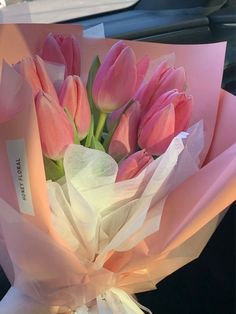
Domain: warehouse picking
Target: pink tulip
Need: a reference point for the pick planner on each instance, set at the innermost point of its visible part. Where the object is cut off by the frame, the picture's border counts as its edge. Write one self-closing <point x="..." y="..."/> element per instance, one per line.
<point x="56" y="132"/>
<point x="114" y="117"/>
<point x="165" y="78"/>
<point x="133" y="165"/>
<point x="35" y="73"/>
<point x="142" y="67"/>
<point x="63" y="49"/>
<point x="165" y="119"/>
<point x="124" y="139"/>
<point x="73" y="96"/>
<point x="46" y="83"/>
<point x="118" y="78"/>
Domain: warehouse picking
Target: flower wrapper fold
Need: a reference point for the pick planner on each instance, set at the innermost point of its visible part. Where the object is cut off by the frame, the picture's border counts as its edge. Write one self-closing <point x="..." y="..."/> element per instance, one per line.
<point x="107" y="213"/>
<point x="86" y="275"/>
<point x="17" y="108"/>
<point x="72" y="266"/>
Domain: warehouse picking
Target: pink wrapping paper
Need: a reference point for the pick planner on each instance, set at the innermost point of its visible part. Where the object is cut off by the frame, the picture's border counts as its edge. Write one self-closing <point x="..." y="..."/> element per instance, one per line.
<point x="191" y="211"/>
<point x="225" y="128"/>
<point x="17" y="128"/>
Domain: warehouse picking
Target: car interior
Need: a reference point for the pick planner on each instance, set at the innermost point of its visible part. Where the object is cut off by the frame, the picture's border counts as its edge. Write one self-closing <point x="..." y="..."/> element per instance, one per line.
<point x="175" y="22"/>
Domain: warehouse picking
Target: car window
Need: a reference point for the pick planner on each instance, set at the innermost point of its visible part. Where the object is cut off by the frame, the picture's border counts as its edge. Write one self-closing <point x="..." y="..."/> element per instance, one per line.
<point x="45" y="11"/>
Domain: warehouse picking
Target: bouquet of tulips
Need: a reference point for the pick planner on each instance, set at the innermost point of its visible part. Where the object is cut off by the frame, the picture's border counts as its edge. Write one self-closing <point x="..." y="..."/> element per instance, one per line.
<point x="115" y="171"/>
<point x="132" y="120"/>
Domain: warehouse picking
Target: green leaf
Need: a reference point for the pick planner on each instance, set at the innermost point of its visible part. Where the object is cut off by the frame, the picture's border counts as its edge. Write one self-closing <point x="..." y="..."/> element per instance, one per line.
<point x="109" y="135"/>
<point x="92" y="73"/>
<point x="76" y="136"/>
<point x="54" y="170"/>
<point x="95" y="144"/>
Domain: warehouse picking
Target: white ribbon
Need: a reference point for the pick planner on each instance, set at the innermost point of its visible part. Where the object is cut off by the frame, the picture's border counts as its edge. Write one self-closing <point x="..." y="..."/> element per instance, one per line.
<point x="114" y="301"/>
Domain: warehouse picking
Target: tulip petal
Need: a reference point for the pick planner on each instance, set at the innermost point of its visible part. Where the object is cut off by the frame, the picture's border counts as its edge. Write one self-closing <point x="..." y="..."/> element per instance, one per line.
<point x="167" y="97"/>
<point x="68" y="95"/>
<point x="67" y="50"/>
<point x="76" y="57"/>
<point x="118" y="85"/>
<point x="62" y="49"/>
<point x="182" y="104"/>
<point x="163" y="101"/>
<point x="156" y="135"/>
<point x="147" y="91"/>
<point x="133" y="165"/>
<point x="73" y="96"/>
<point x="109" y="60"/>
<point x="83" y="113"/>
<point x="124" y="139"/>
<point x="183" y="113"/>
<point x="171" y="79"/>
<point x="56" y="132"/>
<point x="142" y="67"/>
<point x="51" y="51"/>
<point x="45" y="81"/>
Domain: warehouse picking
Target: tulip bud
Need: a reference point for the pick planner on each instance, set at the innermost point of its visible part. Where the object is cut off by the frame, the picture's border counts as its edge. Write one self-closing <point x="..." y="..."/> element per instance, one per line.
<point x="133" y="165"/>
<point x="172" y="79"/>
<point x="165" y="78"/>
<point x="124" y="139"/>
<point x="158" y="131"/>
<point x="118" y="78"/>
<point x="63" y="49"/>
<point x="142" y="67"/>
<point x="56" y="132"/>
<point x="35" y="74"/>
<point x="46" y="83"/>
<point x="73" y="96"/>
<point x="182" y="105"/>
<point x="165" y="119"/>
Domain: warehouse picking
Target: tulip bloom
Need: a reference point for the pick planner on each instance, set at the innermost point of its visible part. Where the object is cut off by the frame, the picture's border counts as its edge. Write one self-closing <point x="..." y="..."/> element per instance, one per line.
<point x="165" y="119"/>
<point x="124" y="139"/>
<point x="73" y="96"/>
<point x="35" y="73"/>
<point x="114" y="117"/>
<point x="133" y="165"/>
<point x="56" y="132"/>
<point x="118" y="78"/>
<point x="62" y="49"/>
<point x="164" y="79"/>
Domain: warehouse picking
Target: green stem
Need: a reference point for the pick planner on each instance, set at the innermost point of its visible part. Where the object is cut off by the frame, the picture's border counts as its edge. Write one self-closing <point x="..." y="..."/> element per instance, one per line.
<point x="71" y="119"/>
<point x="89" y="137"/>
<point x="60" y="165"/>
<point x="101" y="123"/>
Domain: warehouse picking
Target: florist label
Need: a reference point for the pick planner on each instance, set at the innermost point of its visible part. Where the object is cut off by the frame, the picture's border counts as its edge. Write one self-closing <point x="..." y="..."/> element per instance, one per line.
<point x="19" y="169"/>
